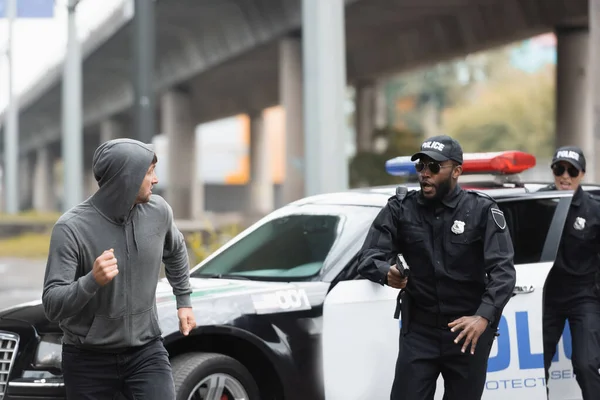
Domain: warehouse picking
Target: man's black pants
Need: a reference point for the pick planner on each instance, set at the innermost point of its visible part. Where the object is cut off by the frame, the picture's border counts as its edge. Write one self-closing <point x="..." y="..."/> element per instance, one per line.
<point x="139" y="373"/>
<point x="584" y="323"/>
<point x="426" y="351"/>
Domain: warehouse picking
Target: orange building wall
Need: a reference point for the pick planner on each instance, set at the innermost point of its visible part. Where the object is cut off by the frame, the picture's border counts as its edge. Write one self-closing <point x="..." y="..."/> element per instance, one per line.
<point x="274" y="125"/>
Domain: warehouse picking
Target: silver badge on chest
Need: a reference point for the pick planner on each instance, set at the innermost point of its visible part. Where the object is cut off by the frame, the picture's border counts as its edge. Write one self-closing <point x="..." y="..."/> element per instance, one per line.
<point x="579" y="223"/>
<point x="458" y="227"/>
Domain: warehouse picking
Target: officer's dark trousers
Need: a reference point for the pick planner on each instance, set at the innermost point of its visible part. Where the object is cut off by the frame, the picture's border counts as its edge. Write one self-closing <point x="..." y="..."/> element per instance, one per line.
<point x="139" y="373"/>
<point x="583" y="314"/>
<point x="425" y="352"/>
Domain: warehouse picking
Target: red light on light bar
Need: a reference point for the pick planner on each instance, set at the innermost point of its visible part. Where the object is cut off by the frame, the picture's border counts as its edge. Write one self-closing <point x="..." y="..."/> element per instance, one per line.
<point x="504" y="162"/>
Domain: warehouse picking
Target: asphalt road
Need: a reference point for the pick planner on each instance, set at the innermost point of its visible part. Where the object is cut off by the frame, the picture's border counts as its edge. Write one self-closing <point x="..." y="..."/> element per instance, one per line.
<point x="20" y="281"/>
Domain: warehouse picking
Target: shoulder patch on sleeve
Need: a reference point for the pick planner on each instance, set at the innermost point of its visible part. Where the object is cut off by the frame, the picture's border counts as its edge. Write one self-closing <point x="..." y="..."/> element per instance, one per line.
<point x="498" y="217"/>
<point x="478" y="193"/>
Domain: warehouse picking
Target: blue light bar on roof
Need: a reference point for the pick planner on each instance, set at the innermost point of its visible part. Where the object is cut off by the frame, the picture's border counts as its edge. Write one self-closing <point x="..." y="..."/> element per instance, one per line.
<point x="401" y="166"/>
<point x="29" y="9"/>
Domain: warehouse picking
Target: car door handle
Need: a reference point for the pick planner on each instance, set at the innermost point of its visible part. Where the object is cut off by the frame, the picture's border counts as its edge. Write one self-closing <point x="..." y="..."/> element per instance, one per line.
<point x="523" y="289"/>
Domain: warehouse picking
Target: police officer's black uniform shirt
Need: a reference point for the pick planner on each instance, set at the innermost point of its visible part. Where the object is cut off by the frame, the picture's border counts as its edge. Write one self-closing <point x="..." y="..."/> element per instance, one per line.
<point x="460" y="254"/>
<point x="578" y="257"/>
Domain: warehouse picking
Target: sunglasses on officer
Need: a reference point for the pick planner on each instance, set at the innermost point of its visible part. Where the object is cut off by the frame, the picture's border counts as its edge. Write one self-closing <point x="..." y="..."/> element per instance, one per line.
<point x="433" y="166"/>
<point x="560" y="169"/>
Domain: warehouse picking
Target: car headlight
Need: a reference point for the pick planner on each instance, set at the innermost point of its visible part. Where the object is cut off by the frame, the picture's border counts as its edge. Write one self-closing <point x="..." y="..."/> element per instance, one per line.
<point x="49" y="353"/>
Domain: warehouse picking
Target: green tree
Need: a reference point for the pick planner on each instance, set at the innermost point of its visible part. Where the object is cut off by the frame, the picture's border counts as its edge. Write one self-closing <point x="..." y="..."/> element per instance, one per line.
<point x="440" y="86"/>
<point x="516" y="112"/>
<point x="367" y="168"/>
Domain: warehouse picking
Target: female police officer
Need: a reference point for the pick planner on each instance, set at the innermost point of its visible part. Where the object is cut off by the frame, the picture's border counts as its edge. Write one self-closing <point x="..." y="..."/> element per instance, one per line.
<point x="569" y="292"/>
<point x="462" y="275"/>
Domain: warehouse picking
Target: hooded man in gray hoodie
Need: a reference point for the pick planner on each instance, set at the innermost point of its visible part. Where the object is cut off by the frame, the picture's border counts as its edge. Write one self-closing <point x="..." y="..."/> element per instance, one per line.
<point x="101" y="278"/>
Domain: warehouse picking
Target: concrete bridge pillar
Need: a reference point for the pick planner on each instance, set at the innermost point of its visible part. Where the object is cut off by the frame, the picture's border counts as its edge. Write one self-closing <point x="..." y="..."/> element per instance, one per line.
<point x="26" y="183"/>
<point x="261" y="176"/>
<point x="325" y="126"/>
<point x="44" y="198"/>
<point x="575" y="95"/>
<point x="184" y="192"/>
<point x="291" y="99"/>
<point x="594" y="84"/>
<point x="365" y="114"/>
<point x="578" y="89"/>
<point x="573" y="108"/>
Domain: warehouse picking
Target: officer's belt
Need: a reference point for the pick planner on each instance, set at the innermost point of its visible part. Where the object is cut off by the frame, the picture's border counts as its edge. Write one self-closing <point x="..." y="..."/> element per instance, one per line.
<point x="430" y="319"/>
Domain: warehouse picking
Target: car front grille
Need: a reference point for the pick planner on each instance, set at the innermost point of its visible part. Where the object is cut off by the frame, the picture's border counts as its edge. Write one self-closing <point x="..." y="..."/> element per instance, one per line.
<point x="8" y="351"/>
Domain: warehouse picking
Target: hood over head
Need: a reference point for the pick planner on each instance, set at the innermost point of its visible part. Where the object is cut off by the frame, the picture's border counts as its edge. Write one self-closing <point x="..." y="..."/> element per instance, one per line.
<point x="119" y="167"/>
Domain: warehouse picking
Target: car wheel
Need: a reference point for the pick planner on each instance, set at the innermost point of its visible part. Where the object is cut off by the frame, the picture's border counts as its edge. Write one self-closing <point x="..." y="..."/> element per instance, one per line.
<point x="211" y="376"/>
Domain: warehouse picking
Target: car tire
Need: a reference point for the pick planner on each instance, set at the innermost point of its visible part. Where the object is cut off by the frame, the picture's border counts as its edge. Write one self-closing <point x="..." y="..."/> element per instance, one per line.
<point x="191" y="369"/>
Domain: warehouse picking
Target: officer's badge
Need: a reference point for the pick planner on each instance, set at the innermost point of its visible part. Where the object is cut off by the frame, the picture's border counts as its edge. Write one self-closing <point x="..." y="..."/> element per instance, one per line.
<point x="458" y="227"/>
<point x="579" y="223"/>
<point x="498" y="217"/>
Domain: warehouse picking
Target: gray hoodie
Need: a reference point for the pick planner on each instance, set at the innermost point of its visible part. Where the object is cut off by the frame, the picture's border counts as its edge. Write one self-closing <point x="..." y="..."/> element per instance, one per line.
<point x="122" y="313"/>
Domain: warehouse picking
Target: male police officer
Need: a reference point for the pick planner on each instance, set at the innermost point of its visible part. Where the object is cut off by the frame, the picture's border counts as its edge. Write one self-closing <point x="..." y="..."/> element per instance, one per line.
<point x="460" y="254"/>
<point x="569" y="292"/>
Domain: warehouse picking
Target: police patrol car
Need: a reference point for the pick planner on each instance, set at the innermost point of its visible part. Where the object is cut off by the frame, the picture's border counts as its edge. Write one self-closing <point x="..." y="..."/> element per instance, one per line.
<point x="283" y="314"/>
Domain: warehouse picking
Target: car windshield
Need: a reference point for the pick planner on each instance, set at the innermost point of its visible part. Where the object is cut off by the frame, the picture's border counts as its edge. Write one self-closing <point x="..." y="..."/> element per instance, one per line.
<point x="286" y="248"/>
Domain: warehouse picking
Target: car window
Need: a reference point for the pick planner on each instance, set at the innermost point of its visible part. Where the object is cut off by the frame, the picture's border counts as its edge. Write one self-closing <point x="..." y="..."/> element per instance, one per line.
<point x="593" y="191"/>
<point x="528" y="221"/>
<point x="294" y="246"/>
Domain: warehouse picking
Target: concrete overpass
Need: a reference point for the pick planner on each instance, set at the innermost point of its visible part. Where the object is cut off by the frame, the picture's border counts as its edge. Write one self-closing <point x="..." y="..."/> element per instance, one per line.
<point x="217" y="58"/>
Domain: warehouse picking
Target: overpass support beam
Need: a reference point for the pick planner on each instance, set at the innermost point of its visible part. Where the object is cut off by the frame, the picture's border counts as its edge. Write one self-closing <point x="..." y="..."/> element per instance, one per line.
<point x="26" y="183"/>
<point x="365" y="114"/>
<point x="290" y="96"/>
<point x="324" y="52"/>
<point x="574" y="94"/>
<point x="144" y="49"/>
<point x="594" y="84"/>
<point x="72" y="126"/>
<point x="261" y="176"/>
<point x="184" y="193"/>
<point x="43" y="181"/>
<point x="11" y="128"/>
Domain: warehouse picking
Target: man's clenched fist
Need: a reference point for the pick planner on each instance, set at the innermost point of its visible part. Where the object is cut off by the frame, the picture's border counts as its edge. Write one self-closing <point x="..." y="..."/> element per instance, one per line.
<point x="187" y="321"/>
<point x="105" y="267"/>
